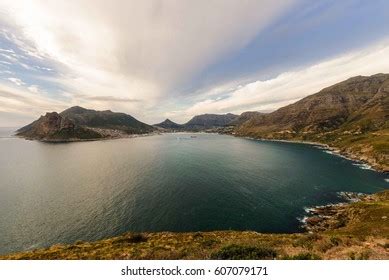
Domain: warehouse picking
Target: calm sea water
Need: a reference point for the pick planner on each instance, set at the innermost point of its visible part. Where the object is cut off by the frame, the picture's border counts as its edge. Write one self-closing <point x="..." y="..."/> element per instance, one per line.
<point x="61" y="193"/>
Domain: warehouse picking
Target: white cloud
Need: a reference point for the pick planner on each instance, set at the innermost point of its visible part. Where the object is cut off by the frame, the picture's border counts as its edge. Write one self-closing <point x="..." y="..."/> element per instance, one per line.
<point x="129" y="55"/>
<point x="19" y="101"/>
<point x="6" y="50"/>
<point x="33" y="88"/>
<point x="291" y="86"/>
<point x="16" y="81"/>
<point x="135" y="49"/>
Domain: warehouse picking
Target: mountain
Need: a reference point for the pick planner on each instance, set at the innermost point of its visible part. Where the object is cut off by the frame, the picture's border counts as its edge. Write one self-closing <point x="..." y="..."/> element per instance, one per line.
<point x="245" y="116"/>
<point x="352" y="116"/>
<point x="209" y="121"/>
<point x="106" y="120"/>
<point x="168" y="124"/>
<point x="77" y="123"/>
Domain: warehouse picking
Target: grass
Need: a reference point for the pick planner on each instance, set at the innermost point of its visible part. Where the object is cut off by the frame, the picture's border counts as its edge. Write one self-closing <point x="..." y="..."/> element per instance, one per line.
<point x="242" y="252"/>
<point x="303" y="256"/>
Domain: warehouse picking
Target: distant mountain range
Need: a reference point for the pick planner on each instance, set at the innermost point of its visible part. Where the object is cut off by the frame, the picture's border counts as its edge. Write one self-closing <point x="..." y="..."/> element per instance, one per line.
<point x="199" y="123"/>
<point x="351" y="116"/>
<point x="169" y="125"/>
<point x="208" y="121"/>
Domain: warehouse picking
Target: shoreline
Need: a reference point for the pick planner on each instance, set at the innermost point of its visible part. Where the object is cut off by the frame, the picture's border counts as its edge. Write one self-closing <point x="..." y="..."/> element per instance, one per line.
<point x="326" y="147"/>
<point x="328" y="216"/>
<point x="74" y="140"/>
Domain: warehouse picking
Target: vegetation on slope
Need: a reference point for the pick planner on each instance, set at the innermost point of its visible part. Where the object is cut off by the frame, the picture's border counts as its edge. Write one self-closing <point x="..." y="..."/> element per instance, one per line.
<point x="106" y="120"/>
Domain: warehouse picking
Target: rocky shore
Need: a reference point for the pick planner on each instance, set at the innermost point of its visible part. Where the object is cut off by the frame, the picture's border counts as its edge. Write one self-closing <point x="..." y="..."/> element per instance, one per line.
<point x="361" y="158"/>
<point x="331" y="216"/>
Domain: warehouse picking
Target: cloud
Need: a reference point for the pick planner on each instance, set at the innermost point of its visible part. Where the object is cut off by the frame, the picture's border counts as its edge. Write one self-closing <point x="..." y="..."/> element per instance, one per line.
<point x="25" y="103"/>
<point x="33" y="88"/>
<point x="106" y="98"/>
<point x="7" y="50"/>
<point x="291" y="86"/>
<point x="134" y="56"/>
<point x="16" y="81"/>
<point x="134" y="49"/>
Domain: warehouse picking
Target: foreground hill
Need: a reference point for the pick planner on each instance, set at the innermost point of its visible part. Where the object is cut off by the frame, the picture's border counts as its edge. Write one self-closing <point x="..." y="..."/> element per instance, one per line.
<point x="352" y="116"/>
<point x="358" y="230"/>
<point x="77" y="123"/>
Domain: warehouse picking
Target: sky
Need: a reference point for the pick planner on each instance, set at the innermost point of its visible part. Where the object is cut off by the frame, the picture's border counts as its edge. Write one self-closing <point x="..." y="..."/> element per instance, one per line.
<point x="158" y="59"/>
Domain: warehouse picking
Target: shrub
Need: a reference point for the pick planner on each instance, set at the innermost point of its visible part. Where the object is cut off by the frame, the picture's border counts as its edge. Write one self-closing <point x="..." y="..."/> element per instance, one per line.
<point x="241" y="252"/>
<point x="131" y="238"/>
<point x="209" y="242"/>
<point x="303" y="256"/>
<point x="307" y="241"/>
<point x="137" y="238"/>
<point x="336" y="241"/>
<point x="364" y="255"/>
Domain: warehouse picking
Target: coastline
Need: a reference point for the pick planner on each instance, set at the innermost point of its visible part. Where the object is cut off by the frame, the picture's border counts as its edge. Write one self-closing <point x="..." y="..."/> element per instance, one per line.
<point x="368" y="163"/>
<point x="73" y="140"/>
<point x="332" y="149"/>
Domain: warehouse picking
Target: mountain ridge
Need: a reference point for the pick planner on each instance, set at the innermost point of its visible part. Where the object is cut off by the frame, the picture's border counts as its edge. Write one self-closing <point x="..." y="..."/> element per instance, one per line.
<point x="200" y="122"/>
<point x="351" y="116"/>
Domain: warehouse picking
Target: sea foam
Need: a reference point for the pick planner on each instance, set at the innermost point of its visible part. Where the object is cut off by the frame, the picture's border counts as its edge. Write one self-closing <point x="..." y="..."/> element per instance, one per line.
<point x="363" y="166"/>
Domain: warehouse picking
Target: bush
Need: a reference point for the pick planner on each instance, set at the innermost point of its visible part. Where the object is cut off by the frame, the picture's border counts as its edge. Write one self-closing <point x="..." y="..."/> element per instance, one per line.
<point x="303" y="256"/>
<point x="336" y="241"/>
<point x="240" y="252"/>
<point x="137" y="238"/>
<point x="209" y="242"/>
<point x="364" y="255"/>
<point x="131" y="238"/>
<point x="307" y="241"/>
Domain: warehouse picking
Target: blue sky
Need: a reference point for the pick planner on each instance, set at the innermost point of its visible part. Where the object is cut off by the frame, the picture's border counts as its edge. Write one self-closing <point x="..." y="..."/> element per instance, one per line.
<point x="175" y="59"/>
